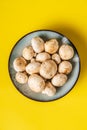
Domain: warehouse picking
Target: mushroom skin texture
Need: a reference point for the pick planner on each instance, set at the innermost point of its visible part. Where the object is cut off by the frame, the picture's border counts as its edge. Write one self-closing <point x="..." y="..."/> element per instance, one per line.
<point x="65" y="67"/>
<point x="37" y="44"/>
<point x="33" y="60"/>
<point x="48" y="69"/>
<point x="56" y="58"/>
<point x="35" y="54"/>
<point x="66" y="52"/>
<point x="22" y="78"/>
<point x="19" y="64"/>
<point x="36" y="83"/>
<point x="33" y="67"/>
<point x="41" y="57"/>
<point x="59" y="80"/>
<point x="51" y="46"/>
<point x="28" y="53"/>
<point x="50" y="90"/>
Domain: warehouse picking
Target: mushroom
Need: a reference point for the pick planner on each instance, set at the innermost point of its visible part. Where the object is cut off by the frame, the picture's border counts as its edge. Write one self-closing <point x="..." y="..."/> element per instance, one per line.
<point x="59" y="80"/>
<point x="28" y="53"/>
<point x="33" y="60"/>
<point x="19" y="64"/>
<point x="51" y="46"/>
<point x="36" y="83"/>
<point x="66" y="52"/>
<point x="22" y="78"/>
<point x="35" y="54"/>
<point x="50" y="90"/>
<point x="37" y="44"/>
<point x="56" y="58"/>
<point x="48" y="69"/>
<point x="41" y="57"/>
<point x="33" y="67"/>
<point x="65" y="67"/>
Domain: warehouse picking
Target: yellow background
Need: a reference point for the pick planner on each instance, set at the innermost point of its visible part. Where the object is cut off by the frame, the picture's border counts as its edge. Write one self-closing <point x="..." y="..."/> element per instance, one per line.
<point x="19" y="17"/>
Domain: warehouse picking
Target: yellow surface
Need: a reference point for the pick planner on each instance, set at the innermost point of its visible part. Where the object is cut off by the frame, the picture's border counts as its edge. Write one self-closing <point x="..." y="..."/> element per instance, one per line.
<point x="19" y="17"/>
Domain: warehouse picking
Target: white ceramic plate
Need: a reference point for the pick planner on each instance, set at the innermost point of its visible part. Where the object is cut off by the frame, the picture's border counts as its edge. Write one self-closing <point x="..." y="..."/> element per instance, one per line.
<point x="17" y="51"/>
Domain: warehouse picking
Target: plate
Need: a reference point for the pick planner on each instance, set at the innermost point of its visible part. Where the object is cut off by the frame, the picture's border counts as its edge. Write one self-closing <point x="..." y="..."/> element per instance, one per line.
<point x="17" y="51"/>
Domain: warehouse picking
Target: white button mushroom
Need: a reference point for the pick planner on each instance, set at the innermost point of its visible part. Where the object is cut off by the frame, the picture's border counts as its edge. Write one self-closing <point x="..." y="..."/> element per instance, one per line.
<point x="66" y="52"/>
<point x="19" y="64"/>
<point x="36" y="83"/>
<point x="33" y="60"/>
<point x="56" y="58"/>
<point x="37" y="44"/>
<point x="65" y="67"/>
<point x="33" y="67"/>
<point x="28" y="52"/>
<point x="41" y="57"/>
<point x="45" y="69"/>
<point x="59" y="80"/>
<point x="35" y="54"/>
<point x="21" y="77"/>
<point x="50" y="90"/>
<point x="51" y="46"/>
<point x="48" y="69"/>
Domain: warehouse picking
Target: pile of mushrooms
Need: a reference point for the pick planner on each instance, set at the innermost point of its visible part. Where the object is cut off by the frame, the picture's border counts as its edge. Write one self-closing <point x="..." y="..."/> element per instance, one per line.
<point x="44" y="65"/>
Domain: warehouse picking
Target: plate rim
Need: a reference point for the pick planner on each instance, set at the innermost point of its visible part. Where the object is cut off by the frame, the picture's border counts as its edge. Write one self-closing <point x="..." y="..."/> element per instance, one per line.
<point x="31" y="33"/>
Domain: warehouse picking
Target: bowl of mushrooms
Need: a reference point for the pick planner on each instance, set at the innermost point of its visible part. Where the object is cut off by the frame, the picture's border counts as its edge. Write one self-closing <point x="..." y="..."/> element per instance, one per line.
<point x="44" y="65"/>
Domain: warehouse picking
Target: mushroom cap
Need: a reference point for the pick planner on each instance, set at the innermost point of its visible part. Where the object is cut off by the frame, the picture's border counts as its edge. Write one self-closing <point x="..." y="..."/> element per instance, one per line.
<point x="65" y="67"/>
<point x="28" y="52"/>
<point x="33" y="60"/>
<point x="50" y="90"/>
<point x="35" y="54"/>
<point x="51" y="46"/>
<point x="66" y="52"/>
<point x="37" y="44"/>
<point x="48" y="69"/>
<point x="33" y="67"/>
<point x="19" y="64"/>
<point x="21" y="77"/>
<point x="41" y="57"/>
<point x="59" y="80"/>
<point x="36" y="83"/>
<point x="56" y="58"/>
